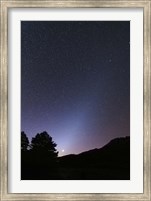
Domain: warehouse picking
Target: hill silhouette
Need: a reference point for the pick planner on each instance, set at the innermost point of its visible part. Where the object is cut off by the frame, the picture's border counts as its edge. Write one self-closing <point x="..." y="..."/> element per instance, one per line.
<point x="111" y="162"/>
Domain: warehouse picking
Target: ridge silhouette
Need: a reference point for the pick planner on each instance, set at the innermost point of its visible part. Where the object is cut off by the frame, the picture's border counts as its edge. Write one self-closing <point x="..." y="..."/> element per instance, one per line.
<point x="110" y="162"/>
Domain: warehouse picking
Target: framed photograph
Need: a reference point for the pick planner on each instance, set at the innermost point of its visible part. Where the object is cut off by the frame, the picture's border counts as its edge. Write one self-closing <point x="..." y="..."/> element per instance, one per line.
<point x="75" y="100"/>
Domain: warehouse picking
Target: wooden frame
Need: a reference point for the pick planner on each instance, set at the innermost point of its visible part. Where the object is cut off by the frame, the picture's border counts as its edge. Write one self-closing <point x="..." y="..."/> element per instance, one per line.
<point x="5" y="5"/>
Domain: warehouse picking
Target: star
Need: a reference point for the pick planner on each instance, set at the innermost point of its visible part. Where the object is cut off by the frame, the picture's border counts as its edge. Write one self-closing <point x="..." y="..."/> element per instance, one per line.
<point x="75" y="81"/>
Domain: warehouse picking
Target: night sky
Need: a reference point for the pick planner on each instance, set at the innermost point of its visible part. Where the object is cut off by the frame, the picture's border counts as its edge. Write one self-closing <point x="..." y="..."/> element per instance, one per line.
<point x="75" y="82"/>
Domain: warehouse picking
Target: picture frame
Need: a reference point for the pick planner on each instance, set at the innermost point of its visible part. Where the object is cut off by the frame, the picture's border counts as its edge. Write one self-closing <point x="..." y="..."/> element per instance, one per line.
<point x="5" y="5"/>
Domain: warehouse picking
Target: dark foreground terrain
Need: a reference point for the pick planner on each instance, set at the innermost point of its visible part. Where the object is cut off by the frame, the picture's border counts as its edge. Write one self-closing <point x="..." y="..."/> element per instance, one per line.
<point x="111" y="162"/>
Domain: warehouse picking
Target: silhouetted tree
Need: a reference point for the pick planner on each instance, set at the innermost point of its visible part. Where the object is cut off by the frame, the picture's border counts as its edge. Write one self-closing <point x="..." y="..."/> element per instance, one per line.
<point x="43" y="143"/>
<point x="24" y="154"/>
<point x="40" y="161"/>
<point x="24" y="141"/>
<point x="42" y="158"/>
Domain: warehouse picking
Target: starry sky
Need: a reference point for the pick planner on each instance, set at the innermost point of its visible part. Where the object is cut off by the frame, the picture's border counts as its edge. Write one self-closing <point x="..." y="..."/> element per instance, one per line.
<point x="75" y="82"/>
